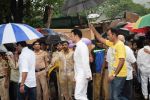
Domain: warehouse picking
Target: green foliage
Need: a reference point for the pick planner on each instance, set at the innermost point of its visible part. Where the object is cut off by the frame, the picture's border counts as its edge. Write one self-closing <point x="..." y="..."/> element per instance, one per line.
<point x="112" y="8"/>
<point x="4" y="11"/>
<point x="34" y="13"/>
<point x="35" y="18"/>
<point x="57" y="4"/>
<point x="34" y="9"/>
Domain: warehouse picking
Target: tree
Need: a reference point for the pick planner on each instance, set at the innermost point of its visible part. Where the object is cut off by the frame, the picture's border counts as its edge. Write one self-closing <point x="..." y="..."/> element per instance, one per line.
<point x="11" y="11"/>
<point x="27" y="11"/>
<point x="4" y="11"/>
<point x="41" y="12"/>
<point x="111" y="8"/>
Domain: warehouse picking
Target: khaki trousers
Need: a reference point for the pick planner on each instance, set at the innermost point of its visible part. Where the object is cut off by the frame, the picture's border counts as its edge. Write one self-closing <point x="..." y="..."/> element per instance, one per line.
<point x="105" y="85"/>
<point x="96" y="86"/>
<point x="42" y="86"/>
<point x="4" y="92"/>
<point x="66" y="85"/>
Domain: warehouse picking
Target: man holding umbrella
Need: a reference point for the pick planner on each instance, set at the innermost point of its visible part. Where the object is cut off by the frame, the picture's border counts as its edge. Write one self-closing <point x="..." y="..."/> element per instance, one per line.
<point x="118" y="74"/>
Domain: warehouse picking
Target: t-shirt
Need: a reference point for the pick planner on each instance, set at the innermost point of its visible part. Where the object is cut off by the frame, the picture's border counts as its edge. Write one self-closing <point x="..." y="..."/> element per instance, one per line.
<point x="130" y="59"/>
<point x="118" y="51"/>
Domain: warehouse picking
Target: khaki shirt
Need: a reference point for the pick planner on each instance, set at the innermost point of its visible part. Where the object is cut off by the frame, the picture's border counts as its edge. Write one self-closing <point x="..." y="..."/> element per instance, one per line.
<point x="55" y="56"/>
<point x="66" y="62"/>
<point x="14" y="74"/>
<point x="41" y="59"/>
<point x="3" y="68"/>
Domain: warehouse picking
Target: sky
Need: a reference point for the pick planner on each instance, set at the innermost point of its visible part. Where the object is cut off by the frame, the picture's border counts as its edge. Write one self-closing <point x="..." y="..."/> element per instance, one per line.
<point x="146" y="3"/>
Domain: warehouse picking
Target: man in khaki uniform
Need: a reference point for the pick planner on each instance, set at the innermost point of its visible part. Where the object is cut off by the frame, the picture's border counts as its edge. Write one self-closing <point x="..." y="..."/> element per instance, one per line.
<point x="40" y="69"/>
<point x="66" y="72"/>
<point x="14" y="74"/>
<point x="53" y="71"/>
<point x="4" y="77"/>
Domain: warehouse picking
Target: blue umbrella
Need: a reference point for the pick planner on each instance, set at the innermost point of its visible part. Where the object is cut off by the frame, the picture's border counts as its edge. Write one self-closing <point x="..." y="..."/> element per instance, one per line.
<point x="14" y="32"/>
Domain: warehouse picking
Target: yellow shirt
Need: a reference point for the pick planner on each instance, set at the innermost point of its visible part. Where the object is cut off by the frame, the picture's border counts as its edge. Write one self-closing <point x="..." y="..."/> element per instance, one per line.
<point x="118" y="52"/>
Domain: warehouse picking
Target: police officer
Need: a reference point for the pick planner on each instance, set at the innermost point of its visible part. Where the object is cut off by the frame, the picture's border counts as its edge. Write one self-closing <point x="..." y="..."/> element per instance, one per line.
<point x="4" y="77"/>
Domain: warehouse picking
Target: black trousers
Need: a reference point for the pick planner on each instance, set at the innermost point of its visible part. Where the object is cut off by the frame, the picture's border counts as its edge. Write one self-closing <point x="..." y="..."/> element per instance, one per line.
<point x="13" y="87"/>
<point x="128" y="89"/>
<point x="29" y="93"/>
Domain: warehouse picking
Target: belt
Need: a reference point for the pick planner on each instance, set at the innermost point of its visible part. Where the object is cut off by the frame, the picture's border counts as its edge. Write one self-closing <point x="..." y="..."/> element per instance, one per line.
<point x="66" y="70"/>
<point x="38" y="70"/>
<point x="1" y="77"/>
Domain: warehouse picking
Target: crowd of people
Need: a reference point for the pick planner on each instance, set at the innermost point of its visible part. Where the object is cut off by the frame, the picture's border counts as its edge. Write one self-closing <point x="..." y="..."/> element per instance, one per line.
<point x="123" y="63"/>
<point x="27" y="73"/>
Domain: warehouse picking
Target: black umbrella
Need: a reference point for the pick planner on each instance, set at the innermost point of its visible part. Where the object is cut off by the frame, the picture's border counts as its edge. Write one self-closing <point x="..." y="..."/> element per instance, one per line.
<point x="51" y="40"/>
<point x="76" y="6"/>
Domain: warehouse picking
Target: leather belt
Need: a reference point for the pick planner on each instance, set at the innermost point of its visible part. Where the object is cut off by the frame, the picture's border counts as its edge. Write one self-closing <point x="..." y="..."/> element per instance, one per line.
<point x="38" y="70"/>
<point x="1" y="77"/>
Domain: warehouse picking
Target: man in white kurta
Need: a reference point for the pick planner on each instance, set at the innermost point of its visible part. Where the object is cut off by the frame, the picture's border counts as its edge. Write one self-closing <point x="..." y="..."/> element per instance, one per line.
<point x="81" y="66"/>
<point x="143" y="61"/>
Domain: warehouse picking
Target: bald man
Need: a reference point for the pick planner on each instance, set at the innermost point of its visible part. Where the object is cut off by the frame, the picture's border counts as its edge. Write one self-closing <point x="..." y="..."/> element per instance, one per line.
<point x="130" y="61"/>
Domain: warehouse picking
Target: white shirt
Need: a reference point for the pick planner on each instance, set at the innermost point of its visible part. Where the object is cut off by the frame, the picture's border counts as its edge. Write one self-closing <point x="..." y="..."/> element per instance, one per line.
<point x="130" y="59"/>
<point x="27" y="64"/>
<point x="109" y="58"/>
<point x="143" y="60"/>
<point x="81" y="61"/>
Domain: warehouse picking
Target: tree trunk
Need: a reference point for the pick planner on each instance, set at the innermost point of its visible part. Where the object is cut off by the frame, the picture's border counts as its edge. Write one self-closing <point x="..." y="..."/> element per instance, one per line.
<point x="20" y="11"/>
<point x="28" y="8"/>
<point x="48" y="15"/>
<point x="14" y="10"/>
<point x="17" y="10"/>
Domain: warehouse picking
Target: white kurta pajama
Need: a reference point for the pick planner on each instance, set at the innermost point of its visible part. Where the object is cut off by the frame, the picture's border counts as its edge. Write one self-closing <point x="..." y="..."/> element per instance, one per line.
<point x="143" y="61"/>
<point x="82" y="70"/>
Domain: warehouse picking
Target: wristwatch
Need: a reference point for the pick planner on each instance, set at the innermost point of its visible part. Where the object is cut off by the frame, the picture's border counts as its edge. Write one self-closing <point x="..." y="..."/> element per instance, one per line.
<point x="21" y="85"/>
